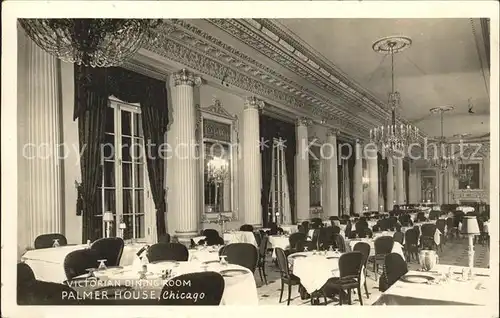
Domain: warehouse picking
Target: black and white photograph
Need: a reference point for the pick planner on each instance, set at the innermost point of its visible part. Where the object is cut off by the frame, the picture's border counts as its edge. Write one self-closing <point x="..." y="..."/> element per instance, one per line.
<point x="251" y="161"/>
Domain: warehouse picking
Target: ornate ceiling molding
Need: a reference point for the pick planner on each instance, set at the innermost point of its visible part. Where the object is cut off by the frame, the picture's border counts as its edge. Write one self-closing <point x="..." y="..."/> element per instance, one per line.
<point x="278" y="44"/>
<point x="190" y="46"/>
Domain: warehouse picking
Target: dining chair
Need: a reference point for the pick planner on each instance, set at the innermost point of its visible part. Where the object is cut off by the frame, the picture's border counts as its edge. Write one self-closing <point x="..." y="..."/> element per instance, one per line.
<point x="47" y="240"/>
<point x="286" y="276"/>
<point x="110" y="249"/>
<point x="243" y="254"/>
<point x="350" y="271"/>
<point x="209" y="284"/>
<point x="261" y="264"/>
<point x="77" y="262"/>
<point x="411" y="244"/>
<point x="383" y="246"/>
<point x="364" y="248"/>
<point x="167" y="252"/>
<point x="395" y="267"/>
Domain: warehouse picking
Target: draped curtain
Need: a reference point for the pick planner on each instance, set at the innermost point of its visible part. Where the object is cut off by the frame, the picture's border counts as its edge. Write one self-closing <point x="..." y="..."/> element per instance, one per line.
<point x="340" y="184"/>
<point x="93" y="86"/>
<point x="382" y="175"/>
<point x="406" y="169"/>
<point x="274" y="128"/>
<point x="348" y="153"/>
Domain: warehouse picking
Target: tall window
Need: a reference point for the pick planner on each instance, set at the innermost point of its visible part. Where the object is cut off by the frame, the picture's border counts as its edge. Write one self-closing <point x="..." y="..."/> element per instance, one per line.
<point x="124" y="179"/>
<point x="279" y="200"/>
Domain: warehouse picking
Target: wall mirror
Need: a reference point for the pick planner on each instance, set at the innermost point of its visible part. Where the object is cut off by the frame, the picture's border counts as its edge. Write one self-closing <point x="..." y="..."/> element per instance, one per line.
<point x="218" y="134"/>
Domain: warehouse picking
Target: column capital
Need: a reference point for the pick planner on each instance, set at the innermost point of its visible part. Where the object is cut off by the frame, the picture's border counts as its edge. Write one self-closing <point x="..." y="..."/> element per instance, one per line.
<point x="252" y="102"/>
<point x="333" y="132"/>
<point x="186" y="77"/>
<point x="303" y="121"/>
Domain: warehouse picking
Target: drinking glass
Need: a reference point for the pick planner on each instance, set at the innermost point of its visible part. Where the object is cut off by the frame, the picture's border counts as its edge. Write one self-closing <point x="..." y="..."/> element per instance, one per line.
<point x="330" y="248"/>
<point x="305" y="249"/>
<point x="91" y="273"/>
<point x="102" y="264"/>
<point x="223" y="260"/>
<point x="56" y="243"/>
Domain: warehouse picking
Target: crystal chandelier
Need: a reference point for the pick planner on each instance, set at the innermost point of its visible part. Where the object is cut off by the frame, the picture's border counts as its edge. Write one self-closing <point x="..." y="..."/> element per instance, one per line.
<point x="393" y="137"/>
<point x="90" y="42"/>
<point x="443" y="154"/>
<point x="463" y="173"/>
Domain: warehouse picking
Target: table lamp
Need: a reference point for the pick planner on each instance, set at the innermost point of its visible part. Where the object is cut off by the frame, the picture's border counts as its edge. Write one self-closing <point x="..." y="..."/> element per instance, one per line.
<point x="470" y="228"/>
<point x="108" y="218"/>
<point x="122" y="228"/>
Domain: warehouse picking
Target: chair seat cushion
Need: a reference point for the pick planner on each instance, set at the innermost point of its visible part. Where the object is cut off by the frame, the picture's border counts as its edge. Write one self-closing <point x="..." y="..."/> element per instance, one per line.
<point x="336" y="283"/>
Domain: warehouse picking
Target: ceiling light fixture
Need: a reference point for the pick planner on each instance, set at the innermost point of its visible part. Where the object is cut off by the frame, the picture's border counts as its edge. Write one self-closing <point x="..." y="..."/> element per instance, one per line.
<point x="393" y="138"/>
<point x="91" y="42"/>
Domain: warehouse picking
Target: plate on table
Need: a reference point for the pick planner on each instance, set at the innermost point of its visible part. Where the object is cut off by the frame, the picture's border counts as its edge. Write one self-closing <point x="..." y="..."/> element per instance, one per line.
<point x="333" y="257"/>
<point x="211" y="262"/>
<point x="232" y="272"/>
<point x="417" y="279"/>
<point x="294" y="256"/>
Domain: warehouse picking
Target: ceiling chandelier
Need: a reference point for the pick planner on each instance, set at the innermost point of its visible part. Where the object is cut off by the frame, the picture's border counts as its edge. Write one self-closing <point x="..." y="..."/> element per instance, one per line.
<point x="463" y="173"/>
<point x="443" y="156"/>
<point x="90" y="42"/>
<point x="393" y="137"/>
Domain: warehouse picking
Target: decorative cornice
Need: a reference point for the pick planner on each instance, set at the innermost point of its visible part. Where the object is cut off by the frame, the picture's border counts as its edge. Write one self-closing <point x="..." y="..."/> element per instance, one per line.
<point x="186" y="44"/>
<point x="269" y="38"/>
<point x="303" y="121"/>
<point x="253" y="102"/>
<point x="185" y="77"/>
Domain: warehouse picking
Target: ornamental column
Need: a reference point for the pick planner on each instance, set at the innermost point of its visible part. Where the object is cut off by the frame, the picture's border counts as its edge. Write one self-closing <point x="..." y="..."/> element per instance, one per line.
<point x="183" y="166"/>
<point x="40" y="113"/>
<point x="389" y="203"/>
<point x="400" y="194"/>
<point x="372" y="163"/>
<point x="332" y="179"/>
<point x="252" y="164"/>
<point x="358" y="179"/>
<point x="413" y="188"/>
<point x="302" y="170"/>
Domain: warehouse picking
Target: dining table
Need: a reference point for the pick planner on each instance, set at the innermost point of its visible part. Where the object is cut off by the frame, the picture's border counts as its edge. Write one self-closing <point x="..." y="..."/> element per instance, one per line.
<point x="315" y="268"/>
<point x="239" y="237"/>
<point x="48" y="263"/>
<point x="443" y="285"/>
<point x="239" y="283"/>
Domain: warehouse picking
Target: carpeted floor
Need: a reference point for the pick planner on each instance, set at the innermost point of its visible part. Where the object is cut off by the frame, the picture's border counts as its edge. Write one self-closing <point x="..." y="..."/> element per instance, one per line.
<point x="454" y="253"/>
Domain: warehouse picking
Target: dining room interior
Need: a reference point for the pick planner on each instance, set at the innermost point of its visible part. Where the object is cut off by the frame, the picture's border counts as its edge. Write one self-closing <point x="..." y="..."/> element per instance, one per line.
<point x="303" y="162"/>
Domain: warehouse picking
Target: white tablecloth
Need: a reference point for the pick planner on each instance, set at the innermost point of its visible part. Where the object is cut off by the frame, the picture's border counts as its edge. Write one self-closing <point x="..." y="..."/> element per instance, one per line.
<point x="238" y="290"/>
<point x="290" y="229"/>
<point x="396" y="248"/>
<point x="280" y="241"/>
<point x="48" y="263"/>
<point x="465" y="209"/>
<point x="204" y="254"/>
<point x="454" y="292"/>
<point x="240" y="237"/>
<point x="315" y="270"/>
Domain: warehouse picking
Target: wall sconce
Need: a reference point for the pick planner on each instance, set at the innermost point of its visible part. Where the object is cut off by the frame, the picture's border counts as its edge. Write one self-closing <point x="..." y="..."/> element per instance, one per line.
<point x="365" y="181"/>
<point x="108" y="218"/>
